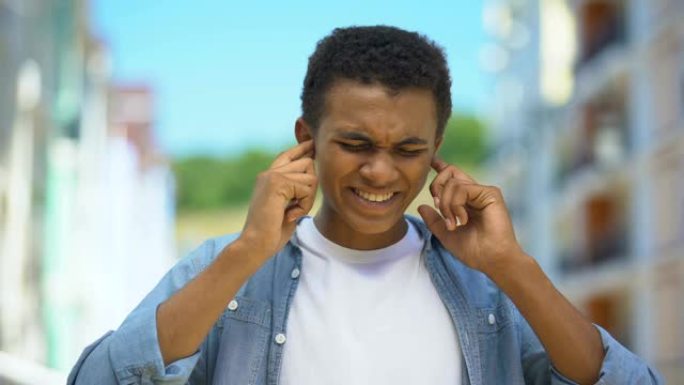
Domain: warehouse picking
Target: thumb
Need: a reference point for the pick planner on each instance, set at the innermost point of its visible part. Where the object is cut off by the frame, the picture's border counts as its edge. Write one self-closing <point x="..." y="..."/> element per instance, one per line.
<point x="433" y="220"/>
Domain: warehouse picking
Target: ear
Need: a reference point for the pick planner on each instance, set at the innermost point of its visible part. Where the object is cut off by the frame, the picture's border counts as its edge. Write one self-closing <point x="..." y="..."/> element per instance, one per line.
<point x="303" y="133"/>
<point x="438" y="143"/>
<point x="302" y="130"/>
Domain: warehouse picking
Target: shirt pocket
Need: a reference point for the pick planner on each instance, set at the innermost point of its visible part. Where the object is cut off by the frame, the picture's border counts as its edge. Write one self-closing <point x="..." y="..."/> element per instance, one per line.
<point x="499" y="347"/>
<point x="241" y="357"/>
<point x="248" y="310"/>
<point x="492" y="320"/>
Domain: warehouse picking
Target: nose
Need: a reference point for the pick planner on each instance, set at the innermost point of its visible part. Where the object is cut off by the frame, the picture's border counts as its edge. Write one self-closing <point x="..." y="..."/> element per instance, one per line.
<point x="379" y="169"/>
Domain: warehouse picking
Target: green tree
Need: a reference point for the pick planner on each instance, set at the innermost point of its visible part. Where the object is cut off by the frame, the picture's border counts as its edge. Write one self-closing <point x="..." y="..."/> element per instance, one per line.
<point x="465" y="141"/>
<point x="204" y="183"/>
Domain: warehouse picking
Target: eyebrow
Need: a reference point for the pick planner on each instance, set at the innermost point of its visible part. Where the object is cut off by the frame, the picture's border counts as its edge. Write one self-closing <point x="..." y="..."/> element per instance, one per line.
<point x="350" y="135"/>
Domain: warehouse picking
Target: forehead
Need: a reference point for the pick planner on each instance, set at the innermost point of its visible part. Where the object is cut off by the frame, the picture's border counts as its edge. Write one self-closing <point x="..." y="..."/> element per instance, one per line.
<point x="378" y="112"/>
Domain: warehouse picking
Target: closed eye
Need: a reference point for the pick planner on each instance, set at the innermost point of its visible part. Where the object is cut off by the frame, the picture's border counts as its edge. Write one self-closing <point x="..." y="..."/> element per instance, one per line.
<point x="367" y="146"/>
<point x="406" y="152"/>
<point x="355" y="147"/>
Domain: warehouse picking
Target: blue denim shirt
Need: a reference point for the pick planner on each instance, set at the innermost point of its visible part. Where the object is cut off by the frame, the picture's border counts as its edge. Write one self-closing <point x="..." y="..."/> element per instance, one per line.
<point x="244" y="346"/>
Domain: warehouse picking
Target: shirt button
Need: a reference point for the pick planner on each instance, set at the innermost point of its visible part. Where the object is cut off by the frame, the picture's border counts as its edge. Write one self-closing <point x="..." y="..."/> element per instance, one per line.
<point x="295" y="273"/>
<point x="491" y="319"/>
<point x="280" y="338"/>
<point x="232" y="305"/>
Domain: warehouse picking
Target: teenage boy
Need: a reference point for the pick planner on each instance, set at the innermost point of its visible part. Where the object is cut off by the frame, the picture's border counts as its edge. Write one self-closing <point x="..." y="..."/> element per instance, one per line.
<point x="362" y="293"/>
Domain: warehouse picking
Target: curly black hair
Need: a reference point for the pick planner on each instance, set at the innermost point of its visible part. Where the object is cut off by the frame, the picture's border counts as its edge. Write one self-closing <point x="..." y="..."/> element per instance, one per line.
<point x="381" y="54"/>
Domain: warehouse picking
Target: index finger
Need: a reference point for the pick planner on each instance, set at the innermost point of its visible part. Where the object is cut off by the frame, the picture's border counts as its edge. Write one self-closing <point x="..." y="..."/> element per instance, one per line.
<point x="438" y="164"/>
<point x="293" y="153"/>
<point x="451" y="171"/>
<point x="445" y="173"/>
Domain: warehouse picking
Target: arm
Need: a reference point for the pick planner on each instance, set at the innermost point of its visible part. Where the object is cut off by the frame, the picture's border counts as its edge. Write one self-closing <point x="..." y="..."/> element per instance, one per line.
<point x="474" y="225"/>
<point x="131" y="353"/>
<point x="184" y="320"/>
<point x="619" y="366"/>
<point x="282" y="194"/>
<point x="161" y="339"/>
<point x="572" y="343"/>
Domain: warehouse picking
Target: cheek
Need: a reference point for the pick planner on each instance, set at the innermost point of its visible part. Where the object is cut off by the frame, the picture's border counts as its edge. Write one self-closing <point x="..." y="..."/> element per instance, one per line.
<point x="418" y="172"/>
<point x="334" y="167"/>
<point x="426" y="170"/>
<point x="423" y="178"/>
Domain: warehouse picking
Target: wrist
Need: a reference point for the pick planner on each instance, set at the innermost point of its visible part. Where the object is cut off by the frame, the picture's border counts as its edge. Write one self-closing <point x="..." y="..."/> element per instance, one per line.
<point x="254" y="243"/>
<point x="511" y="267"/>
<point x="245" y="252"/>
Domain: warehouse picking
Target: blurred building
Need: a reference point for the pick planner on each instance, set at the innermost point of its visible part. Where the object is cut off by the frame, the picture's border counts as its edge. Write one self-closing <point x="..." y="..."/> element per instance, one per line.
<point x="139" y="203"/>
<point x="588" y="148"/>
<point x="86" y="201"/>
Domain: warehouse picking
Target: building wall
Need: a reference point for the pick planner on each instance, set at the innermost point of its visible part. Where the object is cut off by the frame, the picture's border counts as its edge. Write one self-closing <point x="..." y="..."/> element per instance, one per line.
<point x="595" y="176"/>
<point x="27" y="73"/>
<point x="86" y="214"/>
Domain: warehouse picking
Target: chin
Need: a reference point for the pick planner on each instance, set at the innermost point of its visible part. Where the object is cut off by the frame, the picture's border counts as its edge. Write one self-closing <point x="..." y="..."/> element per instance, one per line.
<point x="367" y="225"/>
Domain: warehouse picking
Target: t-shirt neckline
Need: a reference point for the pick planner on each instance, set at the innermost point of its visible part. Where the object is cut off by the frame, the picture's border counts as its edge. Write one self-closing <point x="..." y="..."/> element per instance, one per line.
<point x="312" y="238"/>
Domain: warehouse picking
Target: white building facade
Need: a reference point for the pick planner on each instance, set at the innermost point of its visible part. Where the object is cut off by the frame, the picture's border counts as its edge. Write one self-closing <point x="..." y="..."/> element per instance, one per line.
<point x="86" y="201"/>
<point x="589" y="150"/>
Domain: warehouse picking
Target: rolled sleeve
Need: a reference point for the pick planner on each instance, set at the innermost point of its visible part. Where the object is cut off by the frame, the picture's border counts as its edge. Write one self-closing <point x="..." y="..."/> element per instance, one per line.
<point x="559" y="379"/>
<point x="136" y="355"/>
<point x="620" y="366"/>
<point x="131" y="354"/>
<point x="92" y="373"/>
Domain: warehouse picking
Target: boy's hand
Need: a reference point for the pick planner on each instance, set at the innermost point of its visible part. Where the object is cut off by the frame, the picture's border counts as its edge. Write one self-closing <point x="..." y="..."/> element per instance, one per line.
<point x="281" y="195"/>
<point x="474" y="225"/>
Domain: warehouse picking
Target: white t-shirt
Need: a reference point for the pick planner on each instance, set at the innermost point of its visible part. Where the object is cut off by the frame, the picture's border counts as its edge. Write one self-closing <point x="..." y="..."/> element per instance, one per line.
<point x="367" y="317"/>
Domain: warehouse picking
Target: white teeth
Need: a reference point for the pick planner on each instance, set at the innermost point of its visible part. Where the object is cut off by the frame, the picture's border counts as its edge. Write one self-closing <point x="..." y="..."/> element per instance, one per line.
<point x="373" y="197"/>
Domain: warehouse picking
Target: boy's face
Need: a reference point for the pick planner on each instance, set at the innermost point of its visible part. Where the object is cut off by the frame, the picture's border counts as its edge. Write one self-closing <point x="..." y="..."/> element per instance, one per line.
<point x="373" y="152"/>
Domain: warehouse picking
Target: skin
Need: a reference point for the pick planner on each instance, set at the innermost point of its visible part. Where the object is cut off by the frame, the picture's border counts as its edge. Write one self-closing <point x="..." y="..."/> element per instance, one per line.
<point x="361" y="143"/>
<point x="485" y="241"/>
<point x="375" y="141"/>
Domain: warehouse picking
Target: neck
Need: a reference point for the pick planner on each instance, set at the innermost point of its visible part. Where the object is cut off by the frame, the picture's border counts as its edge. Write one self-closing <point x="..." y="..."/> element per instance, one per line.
<point x="339" y="232"/>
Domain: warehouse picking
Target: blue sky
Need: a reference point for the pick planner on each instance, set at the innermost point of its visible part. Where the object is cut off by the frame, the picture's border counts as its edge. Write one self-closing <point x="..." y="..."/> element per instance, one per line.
<point x="227" y="75"/>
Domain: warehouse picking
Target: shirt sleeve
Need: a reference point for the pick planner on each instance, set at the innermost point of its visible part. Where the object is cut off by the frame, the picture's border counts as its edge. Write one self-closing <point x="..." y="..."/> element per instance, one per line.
<point x="131" y="354"/>
<point x="619" y="367"/>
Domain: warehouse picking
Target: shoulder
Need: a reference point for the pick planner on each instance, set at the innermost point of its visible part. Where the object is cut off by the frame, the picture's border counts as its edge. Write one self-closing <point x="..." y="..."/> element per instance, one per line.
<point x="203" y="255"/>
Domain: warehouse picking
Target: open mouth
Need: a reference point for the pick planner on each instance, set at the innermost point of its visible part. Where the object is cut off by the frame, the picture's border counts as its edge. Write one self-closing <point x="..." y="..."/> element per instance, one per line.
<point x="374" y="198"/>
